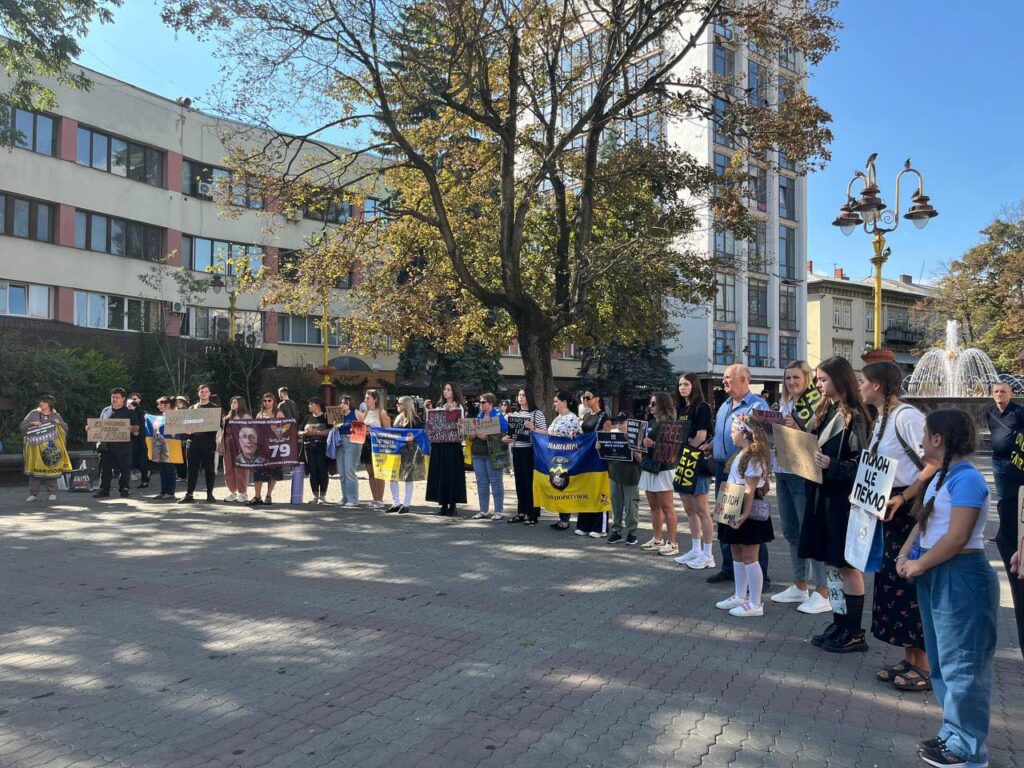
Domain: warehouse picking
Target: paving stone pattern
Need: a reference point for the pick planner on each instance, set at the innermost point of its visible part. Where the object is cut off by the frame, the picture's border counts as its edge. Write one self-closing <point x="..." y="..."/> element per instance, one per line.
<point x="136" y="633"/>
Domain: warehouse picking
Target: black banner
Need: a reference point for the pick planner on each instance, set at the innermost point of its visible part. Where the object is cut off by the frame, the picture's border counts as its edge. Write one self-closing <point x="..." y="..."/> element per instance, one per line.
<point x="614" y="446"/>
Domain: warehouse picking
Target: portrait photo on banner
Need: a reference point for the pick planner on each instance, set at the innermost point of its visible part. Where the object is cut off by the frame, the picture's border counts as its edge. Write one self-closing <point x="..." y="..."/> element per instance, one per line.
<point x="256" y="443"/>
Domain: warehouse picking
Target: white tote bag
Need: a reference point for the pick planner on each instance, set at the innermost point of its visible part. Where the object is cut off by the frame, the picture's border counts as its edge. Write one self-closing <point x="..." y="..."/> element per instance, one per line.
<point x="860" y="533"/>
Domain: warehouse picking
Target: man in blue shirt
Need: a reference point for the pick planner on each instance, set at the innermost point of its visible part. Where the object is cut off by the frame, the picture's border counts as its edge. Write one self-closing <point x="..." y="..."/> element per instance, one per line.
<point x="739" y="400"/>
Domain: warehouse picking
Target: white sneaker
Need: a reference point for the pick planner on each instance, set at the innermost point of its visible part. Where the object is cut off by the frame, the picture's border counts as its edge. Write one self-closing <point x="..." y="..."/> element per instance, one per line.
<point x="815" y="604"/>
<point x="747" y="610"/>
<point x="702" y="562"/>
<point x="791" y="594"/>
<point x="652" y="544"/>
<point x="52" y="497"/>
<point x="669" y="549"/>
<point x="31" y="498"/>
<point x="596" y="535"/>
<point x="730" y="602"/>
<point x="693" y="554"/>
<point x="578" y="532"/>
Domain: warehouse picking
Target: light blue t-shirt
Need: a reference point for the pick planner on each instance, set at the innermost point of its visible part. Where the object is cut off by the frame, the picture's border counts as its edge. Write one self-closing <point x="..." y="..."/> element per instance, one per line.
<point x="964" y="487"/>
<point x="722" y="447"/>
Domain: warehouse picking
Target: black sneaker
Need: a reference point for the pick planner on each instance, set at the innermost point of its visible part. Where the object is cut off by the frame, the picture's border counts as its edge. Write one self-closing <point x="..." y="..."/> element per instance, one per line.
<point x="719" y="577"/>
<point x="940" y="756"/>
<point x="631" y="540"/>
<point x="101" y="495"/>
<point x="393" y="508"/>
<point x="930" y="744"/>
<point x="826" y="634"/>
<point x="404" y="510"/>
<point x="124" y="494"/>
<point x="210" y="499"/>
<point x="615" y="538"/>
<point x="845" y="641"/>
<point x="187" y="499"/>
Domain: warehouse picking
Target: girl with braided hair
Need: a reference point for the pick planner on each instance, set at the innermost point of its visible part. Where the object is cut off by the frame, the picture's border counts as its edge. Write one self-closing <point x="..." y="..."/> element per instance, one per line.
<point x="840" y="425"/>
<point x="897" y="435"/>
<point x="957" y="591"/>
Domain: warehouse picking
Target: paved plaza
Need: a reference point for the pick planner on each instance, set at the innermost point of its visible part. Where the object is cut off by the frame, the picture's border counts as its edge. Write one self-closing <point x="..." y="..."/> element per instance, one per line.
<point x="135" y="633"/>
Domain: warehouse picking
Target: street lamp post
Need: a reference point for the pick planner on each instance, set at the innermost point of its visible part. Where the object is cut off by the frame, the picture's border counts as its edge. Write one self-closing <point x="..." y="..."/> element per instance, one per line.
<point x="327" y="371"/>
<point x="878" y="220"/>
<point x="230" y="282"/>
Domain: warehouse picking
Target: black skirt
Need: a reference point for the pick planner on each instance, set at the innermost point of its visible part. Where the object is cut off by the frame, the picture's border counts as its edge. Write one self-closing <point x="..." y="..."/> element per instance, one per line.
<point x="446" y="475"/>
<point x="751" y="532"/>
<point x="823" y="534"/>
<point x="895" y="617"/>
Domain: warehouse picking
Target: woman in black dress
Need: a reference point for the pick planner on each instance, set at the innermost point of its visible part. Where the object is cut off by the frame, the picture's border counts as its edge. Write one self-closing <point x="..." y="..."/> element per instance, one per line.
<point x="595" y="419"/>
<point x="446" y="473"/>
<point x="841" y="428"/>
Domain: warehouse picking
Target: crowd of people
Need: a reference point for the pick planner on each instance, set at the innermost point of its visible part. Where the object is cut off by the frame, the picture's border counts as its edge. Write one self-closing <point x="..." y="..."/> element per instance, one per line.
<point x="934" y="596"/>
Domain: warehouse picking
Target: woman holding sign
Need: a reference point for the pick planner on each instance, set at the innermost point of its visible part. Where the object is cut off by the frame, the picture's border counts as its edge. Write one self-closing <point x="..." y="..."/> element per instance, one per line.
<point x="407" y="418"/>
<point x="446" y="474"/>
<point x="595" y="419"/>
<point x="656" y="479"/>
<point x="840" y="424"/>
<point x="690" y="484"/>
<point x="347" y="455"/>
<point x="373" y="414"/>
<point x="45" y="453"/>
<point x="314" y="448"/>
<point x="489" y="456"/>
<point x="898" y="433"/>
<point x="268" y="475"/>
<point x="236" y="479"/>
<point x="565" y="424"/>
<point x="522" y="456"/>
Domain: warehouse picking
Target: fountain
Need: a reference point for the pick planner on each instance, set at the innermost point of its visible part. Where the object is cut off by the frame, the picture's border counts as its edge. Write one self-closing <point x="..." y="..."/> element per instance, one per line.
<point x="952" y="372"/>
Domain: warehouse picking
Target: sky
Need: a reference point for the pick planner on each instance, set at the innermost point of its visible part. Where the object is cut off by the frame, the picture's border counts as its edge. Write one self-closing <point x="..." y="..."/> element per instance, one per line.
<point x="932" y="80"/>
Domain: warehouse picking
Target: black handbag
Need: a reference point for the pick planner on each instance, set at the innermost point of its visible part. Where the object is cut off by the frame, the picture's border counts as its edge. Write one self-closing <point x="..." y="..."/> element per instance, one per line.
<point x="706" y="465"/>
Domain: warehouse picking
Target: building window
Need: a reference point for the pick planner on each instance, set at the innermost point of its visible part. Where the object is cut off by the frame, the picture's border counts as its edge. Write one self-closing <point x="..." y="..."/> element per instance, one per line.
<point x="842" y="313"/>
<point x="869" y="316"/>
<point x="787" y="308"/>
<point x="202" y="254"/>
<point x="120" y="157"/>
<point x="787" y="252"/>
<point x="210" y="324"/>
<point x="788" y="350"/>
<point x="332" y="211"/>
<point x="723" y="28"/>
<point x="725" y="297"/>
<point x="118" y="237"/>
<point x="757" y="84"/>
<point x="720" y="131"/>
<point x="757" y="249"/>
<point x="33" y="131"/>
<point x="787" y="55"/>
<point x="843" y="348"/>
<point x="759" y="188"/>
<point x="787" y="198"/>
<point x="26" y="218"/>
<point x="724" y="63"/>
<point x="757" y="303"/>
<point x="757" y="350"/>
<point x="725" y="246"/>
<point x="784" y="162"/>
<point x="295" y="329"/>
<point x="725" y="346"/>
<point x="373" y="209"/>
<point x="114" y="313"/>
<point x="25" y="300"/>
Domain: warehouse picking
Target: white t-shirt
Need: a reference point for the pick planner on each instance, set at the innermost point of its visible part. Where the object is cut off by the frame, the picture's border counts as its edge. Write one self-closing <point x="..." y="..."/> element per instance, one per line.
<point x="754" y="469"/>
<point x="964" y="486"/>
<point x="910" y="423"/>
<point x="372" y="418"/>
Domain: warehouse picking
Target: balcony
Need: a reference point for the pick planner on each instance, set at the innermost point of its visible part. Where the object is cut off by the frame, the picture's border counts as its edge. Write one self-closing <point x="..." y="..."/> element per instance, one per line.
<point x="903" y="335"/>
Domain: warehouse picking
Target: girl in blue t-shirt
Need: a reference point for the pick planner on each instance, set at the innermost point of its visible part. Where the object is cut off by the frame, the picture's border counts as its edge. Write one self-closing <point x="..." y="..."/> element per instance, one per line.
<point x="957" y="591"/>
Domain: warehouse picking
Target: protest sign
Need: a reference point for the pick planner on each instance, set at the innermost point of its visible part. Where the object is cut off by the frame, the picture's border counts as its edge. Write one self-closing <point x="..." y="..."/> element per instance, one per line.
<point x="614" y="446"/>
<point x="192" y="420"/>
<point x="108" y="430"/>
<point x="669" y="439"/>
<point x="334" y="414"/>
<point x="399" y="454"/>
<point x="768" y="418"/>
<point x="568" y="474"/>
<point x="871" y="488"/>
<point x="729" y="505"/>
<point x="42" y="434"/>
<point x="1017" y="452"/>
<point x="636" y="430"/>
<point x="259" y="443"/>
<point x="686" y="470"/>
<point x="481" y="427"/>
<point x="805" y="406"/>
<point x="795" y="452"/>
<point x="443" y="425"/>
<point x="517" y="428"/>
<point x="358" y="432"/>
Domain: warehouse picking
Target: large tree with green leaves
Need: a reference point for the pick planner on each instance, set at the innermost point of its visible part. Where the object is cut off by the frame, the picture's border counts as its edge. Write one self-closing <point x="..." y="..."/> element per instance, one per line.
<point x="518" y="207"/>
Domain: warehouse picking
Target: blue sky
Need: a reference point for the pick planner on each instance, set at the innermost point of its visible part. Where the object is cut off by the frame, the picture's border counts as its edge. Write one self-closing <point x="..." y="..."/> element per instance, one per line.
<point x="932" y="81"/>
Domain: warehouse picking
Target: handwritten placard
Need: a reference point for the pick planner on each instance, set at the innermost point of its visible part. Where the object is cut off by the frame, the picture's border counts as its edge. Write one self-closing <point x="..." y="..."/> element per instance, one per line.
<point x="871" y="488"/>
<point x="481" y="427"/>
<point x="795" y="452"/>
<point x="517" y="428"/>
<point x="358" y="432"/>
<point x="686" y="470"/>
<point x="668" y="441"/>
<point x="768" y="418"/>
<point x="108" y="430"/>
<point x="192" y="420"/>
<point x="443" y="425"/>
<point x="334" y="414"/>
<point x="729" y="505"/>
<point x="636" y="430"/>
<point x="41" y="435"/>
<point x="614" y="446"/>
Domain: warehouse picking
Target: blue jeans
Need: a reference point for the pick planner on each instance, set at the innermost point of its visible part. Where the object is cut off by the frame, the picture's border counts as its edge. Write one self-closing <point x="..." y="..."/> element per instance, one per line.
<point x="168" y="478"/>
<point x="489" y="482"/>
<point x="959" y="600"/>
<point x="721" y="476"/>
<point x="1002" y="474"/>
<point x="348" y="461"/>
<point x="791" y="491"/>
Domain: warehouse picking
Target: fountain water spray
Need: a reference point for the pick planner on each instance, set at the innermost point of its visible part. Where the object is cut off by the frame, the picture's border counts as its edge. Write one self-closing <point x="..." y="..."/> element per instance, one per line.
<point x="953" y="372"/>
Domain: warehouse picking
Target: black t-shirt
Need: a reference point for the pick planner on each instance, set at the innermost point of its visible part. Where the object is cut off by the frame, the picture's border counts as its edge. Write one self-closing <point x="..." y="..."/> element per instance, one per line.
<point x="316" y="422"/>
<point x="592" y="422"/>
<point x="1002" y="427"/>
<point x="124" y="412"/>
<point x="700" y="417"/>
<point x="204" y="439"/>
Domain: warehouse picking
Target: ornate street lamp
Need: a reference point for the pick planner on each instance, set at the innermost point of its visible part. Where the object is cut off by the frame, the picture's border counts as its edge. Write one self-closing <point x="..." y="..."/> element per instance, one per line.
<point x="871" y="212"/>
<point x="218" y="284"/>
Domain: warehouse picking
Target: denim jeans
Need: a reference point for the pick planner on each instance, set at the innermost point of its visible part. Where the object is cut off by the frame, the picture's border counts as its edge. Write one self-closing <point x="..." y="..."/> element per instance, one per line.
<point x="791" y="491"/>
<point x="1002" y="474"/>
<point x="168" y="478"/>
<point x="625" y="508"/>
<point x="348" y="462"/>
<point x="959" y="600"/>
<point x="721" y="476"/>
<point x="489" y="482"/>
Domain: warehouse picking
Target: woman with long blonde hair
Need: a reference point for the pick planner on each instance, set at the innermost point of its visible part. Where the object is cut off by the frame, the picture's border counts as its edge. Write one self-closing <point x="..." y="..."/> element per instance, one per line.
<point x="407" y="418"/>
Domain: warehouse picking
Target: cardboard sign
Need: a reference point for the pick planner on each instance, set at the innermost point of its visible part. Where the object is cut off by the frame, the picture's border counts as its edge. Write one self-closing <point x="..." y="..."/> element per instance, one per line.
<point x="443" y="425"/>
<point x="259" y="443"/>
<point x="729" y="505"/>
<point x="192" y="420"/>
<point x="42" y="434"/>
<point x="668" y="442"/>
<point x="481" y="427"/>
<point x="636" y="431"/>
<point x="334" y="414"/>
<point x="359" y="432"/>
<point x="614" y="446"/>
<point x="795" y="452"/>
<point x="686" y="470"/>
<point x="108" y="430"/>
<point x="768" y="419"/>
<point x="876" y="475"/>
<point x="517" y="428"/>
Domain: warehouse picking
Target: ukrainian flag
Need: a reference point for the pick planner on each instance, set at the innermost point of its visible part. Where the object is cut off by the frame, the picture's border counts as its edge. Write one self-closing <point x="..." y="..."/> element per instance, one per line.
<point x="154" y="424"/>
<point x="568" y="475"/>
<point x="395" y="455"/>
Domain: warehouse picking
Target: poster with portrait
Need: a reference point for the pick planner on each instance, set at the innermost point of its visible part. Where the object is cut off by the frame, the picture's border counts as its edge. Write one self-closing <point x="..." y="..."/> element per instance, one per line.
<point x="358" y="432"/>
<point x="260" y="443"/>
<point x="636" y="430"/>
<point x="443" y="425"/>
<point x="614" y="446"/>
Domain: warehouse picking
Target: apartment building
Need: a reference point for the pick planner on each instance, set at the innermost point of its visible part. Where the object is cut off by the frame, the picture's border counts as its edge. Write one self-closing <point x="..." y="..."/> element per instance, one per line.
<point x="841" y="317"/>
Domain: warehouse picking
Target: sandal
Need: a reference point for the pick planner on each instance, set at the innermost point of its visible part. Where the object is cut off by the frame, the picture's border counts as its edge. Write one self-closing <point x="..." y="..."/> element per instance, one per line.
<point x="517" y="519"/>
<point x="560" y="526"/>
<point x="480" y="516"/>
<point x="889" y="674"/>
<point x="914" y="679"/>
<point x="528" y="522"/>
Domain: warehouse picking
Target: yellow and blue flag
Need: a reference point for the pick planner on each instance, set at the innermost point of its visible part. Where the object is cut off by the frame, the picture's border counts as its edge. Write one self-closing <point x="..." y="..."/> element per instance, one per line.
<point x="399" y="454"/>
<point x="568" y="475"/>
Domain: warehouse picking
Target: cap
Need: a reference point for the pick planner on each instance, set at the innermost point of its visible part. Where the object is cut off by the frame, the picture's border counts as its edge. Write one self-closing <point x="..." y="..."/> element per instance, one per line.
<point x="623" y="416"/>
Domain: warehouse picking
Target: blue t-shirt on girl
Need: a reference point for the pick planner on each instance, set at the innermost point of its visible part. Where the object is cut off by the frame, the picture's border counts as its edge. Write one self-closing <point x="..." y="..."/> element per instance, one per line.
<point x="965" y="486"/>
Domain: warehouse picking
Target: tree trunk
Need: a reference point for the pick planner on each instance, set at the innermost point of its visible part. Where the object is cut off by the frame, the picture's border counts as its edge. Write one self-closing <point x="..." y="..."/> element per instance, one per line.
<point x="535" y="349"/>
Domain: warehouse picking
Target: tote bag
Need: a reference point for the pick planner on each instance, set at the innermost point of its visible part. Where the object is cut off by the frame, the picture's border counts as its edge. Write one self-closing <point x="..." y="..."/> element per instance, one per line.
<point x="863" y="541"/>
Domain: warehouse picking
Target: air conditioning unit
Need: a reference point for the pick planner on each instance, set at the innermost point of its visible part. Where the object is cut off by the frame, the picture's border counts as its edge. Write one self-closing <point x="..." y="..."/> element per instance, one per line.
<point x="222" y="323"/>
<point x="205" y="188"/>
<point x="178" y="308"/>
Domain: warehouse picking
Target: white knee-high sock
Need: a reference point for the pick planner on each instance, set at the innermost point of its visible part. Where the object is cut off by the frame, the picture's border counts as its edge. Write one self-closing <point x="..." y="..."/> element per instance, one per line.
<point x="394" y="493"/>
<point x="739" y="572"/>
<point x="408" y="495"/>
<point x="755" y="577"/>
<point x="694" y="545"/>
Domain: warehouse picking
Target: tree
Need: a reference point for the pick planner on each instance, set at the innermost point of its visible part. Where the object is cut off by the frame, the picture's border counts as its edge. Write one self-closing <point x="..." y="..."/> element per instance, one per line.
<point x="627" y="371"/>
<point x="513" y="199"/>
<point x="984" y="290"/>
<point x="39" y="38"/>
<point x="475" y="365"/>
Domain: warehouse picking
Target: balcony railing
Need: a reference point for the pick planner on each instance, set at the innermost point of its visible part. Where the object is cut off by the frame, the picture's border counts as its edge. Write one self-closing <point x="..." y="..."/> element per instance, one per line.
<point x="900" y="333"/>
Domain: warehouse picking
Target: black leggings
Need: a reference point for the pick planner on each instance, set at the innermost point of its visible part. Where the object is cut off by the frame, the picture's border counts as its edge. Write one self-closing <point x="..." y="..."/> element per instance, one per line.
<point x="522" y="469"/>
<point x="316" y="466"/>
<point x="1006" y="542"/>
<point x="201" y="456"/>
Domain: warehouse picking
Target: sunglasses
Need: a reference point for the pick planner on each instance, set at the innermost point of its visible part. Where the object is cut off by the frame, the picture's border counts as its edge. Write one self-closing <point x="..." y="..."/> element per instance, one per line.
<point x="587" y="397"/>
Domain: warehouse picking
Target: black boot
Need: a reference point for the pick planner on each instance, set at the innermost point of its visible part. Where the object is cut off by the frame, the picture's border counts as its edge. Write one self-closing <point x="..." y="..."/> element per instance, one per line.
<point x="829" y="631"/>
<point x="850" y="637"/>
